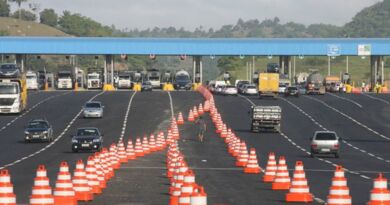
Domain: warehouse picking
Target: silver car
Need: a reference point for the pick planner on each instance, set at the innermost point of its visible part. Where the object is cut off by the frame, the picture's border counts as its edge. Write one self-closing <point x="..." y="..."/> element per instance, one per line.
<point x="93" y="109"/>
<point x="325" y="142"/>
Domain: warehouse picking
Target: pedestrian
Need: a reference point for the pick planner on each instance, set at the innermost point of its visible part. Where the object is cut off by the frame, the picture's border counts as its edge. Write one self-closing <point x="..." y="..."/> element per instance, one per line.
<point x="201" y="128"/>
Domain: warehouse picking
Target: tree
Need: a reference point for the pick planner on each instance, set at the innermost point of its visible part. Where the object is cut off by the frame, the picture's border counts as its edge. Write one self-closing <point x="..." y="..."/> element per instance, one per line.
<point x="24" y="15"/>
<point x="19" y="2"/>
<point x="78" y="25"/>
<point x="4" y="8"/>
<point x="49" y="17"/>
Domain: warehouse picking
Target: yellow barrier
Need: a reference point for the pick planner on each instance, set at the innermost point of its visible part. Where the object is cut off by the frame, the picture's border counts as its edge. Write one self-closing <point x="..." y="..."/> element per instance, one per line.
<point x="46" y="88"/>
<point x="76" y="86"/>
<point x="168" y="87"/>
<point x="196" y="85"/>
<point x="108" y="87"/>
<point x="137" y="87"/>
<point x="348" y="88"/>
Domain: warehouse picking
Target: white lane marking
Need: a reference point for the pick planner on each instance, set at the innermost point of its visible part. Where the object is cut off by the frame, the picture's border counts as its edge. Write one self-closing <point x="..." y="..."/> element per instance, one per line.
<point x="322" y="127"/>
<point x="376" y="98"/>
<point x="350" y="118"/>
<point x="124" y="125"/>
<point x="246" y="98"/>
<point x="30" y="109"/>
<point x="346" y="99"/>
<point x="54" y="141"/>
<point x="171" y="104"/>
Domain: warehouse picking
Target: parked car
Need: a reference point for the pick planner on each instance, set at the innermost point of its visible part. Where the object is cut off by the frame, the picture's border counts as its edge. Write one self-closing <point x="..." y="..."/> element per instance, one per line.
<point x="146" y="86"/>
<point x="249" y="89"/>
<point x="229" y="90"/>
<point x="88" y="138"/>
<point x="93" y="109"/>
<point x="38" y="130"/>
<point x="291" y="91"/>
<point x="325" y="142"/>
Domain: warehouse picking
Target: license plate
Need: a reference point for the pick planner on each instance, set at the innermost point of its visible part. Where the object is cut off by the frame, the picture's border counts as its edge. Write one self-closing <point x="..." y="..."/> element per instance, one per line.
<point x="35" y="136"/>
<point x="325" y="150"/>
<point x="85" y="145"/>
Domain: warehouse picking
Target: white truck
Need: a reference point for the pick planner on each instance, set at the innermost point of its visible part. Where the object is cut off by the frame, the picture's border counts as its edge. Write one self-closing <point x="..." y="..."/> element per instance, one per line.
<point x="64" y="80"/>
<point x="124" y="80"/>
<point x="266" y="118"/>
<point x="154" y="78"/>
<point x="94" y="80"/>
<point x="32" y="80"/>
<point x="13" y="95"/>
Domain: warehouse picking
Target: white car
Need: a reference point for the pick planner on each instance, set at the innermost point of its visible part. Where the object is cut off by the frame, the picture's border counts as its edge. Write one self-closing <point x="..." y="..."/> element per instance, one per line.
<point x="250" y="89"/>
<point x="229" y="90"/>
<point x="282" y="88"/>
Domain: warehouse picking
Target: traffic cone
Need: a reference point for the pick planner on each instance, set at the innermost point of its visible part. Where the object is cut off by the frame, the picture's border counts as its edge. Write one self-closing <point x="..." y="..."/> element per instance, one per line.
<point x="174" y="199"/>
<point x="207" y="106"/>
<point x="198" y="197"/>
<point x="200" y="110"/>
<point x="187" y="188"/>
<point x="299" y="190"/>
<point x="107" y="167"/>
<point x="64" y="193"/>
<point x="130" y="151"/>
<point x="270" y="170"/>
<point x="195" y="110"/>
<point x="41" y="191"/>
<point x="224" y="131"/>
<point x="99" y="171"/>
<point x="380" y="195"/>
<point x="339" y="191"/>
<point x="282" y="178"/>
<point x="139" y="151"/>
<point x="7" y="196"/>
<point x="145" y="145"/>
<point x="180" y="119"/>
<point x="252" y="167"/>
<point x="152" y="143"/>
<point x="115" y="163"/>
<point x="242" y="159"/>
<point x="122" y="152"/>
<point x="92" y="176"/>
<point x="191" y="117"/>
<point x="80" y="183"/>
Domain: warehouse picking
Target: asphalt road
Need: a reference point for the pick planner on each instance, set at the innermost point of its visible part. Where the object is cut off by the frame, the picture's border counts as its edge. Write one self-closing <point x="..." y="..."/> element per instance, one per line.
<point x="361" y="120"/>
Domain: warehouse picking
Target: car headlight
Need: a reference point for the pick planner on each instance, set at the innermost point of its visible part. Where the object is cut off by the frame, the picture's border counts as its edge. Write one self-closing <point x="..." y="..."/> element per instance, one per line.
<point x="96" y="140"/>
<point x="26" y="132"/>
<point x="74" y="141"/>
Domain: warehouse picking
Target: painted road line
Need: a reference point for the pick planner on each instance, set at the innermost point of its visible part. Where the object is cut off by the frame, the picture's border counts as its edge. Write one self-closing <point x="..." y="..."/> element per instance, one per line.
<point x="376" y="98"/>
<point x="124" y="125"/>
<point x="346" y="99"/>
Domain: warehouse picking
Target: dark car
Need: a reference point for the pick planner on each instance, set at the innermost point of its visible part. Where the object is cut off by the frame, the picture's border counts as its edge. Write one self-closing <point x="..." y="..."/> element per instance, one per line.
<point x="88" y="138"/>
<point x="146" y="86"/>
<point x="38" y="130"/>
<point x="9" y="71"/>
<point x="240" y="85"/>
<point x="291" y="91"/>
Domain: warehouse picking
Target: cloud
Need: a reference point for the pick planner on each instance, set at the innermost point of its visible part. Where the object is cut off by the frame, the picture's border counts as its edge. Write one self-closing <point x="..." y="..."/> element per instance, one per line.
<point x="208" y="13"/>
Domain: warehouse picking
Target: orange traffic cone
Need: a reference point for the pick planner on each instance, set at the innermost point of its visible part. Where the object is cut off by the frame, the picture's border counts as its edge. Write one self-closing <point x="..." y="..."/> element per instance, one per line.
<point x="339" y="191"/>
<point x="187" y="188"/>
<point x="198" y="197"/>
<point x="41" y="191"/>
<point x="107" y="167"/>
<point x="145" y="145"/>
<point x="206" y="106"/>
<point x="180" y="119"/>
<point x="64" y="193"/>
<point x="139" y="151"/>
<point x="252" y="167"/>
<point x="282" y="178"/>
<point x="80" y="183"/>
<point x="7" y="196"/>
<point x="130" y="151"/>
<point x="99" y="171"/>
<point x="92" y="176"/>
<point x="196" y="113"/>
<point x="270" y="170"/>
<point x="115" y="163"/>
<point x="380" y="195"/>
<point x="299" y="190"/>
<point x="191" y="117"/>
<point x="242" y="158"/>
<point x="122" y="152"/>
<point x="200" y="110"/>
<point x="152" y="143"/>
<point x="224" y="131"/>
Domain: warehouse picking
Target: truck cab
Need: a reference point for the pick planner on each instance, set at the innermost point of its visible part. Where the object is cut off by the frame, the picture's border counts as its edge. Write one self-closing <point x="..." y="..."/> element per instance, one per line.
<point x="94" y="80"/>
<point x="32" y="80"/>
<point x="13" y="95"/>
<point x="124" y="80"/>
<point x="266" y="118"/>
<point x="64" y="80"/>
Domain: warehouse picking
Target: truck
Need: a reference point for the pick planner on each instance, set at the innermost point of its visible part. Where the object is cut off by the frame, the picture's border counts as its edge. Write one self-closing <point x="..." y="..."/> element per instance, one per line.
<point x="182" y="80"/>
<point x="94" y="79"/>
<point x="266" y="118"/>
<point x="332" y="84"/>
<point x="315" y="84"/>
<point x="124" y="80"/>
<point x="153" y="75"/>
<point x="13" y="95"/>
<point x="268" y="84"/>
<point x="32" y="80"/>
<point x="64" y="80"/>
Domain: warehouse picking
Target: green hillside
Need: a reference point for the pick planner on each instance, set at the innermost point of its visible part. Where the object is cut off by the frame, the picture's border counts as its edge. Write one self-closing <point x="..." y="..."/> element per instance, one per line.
<point x="15" y="27"/>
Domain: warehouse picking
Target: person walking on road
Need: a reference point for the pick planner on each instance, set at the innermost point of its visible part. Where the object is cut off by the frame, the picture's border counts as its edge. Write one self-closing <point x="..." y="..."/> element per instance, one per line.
<point x="201" y="128"/>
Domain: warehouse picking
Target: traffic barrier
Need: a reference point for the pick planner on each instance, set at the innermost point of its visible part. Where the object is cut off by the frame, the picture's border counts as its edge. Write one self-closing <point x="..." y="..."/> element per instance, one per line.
<point x="299" y="190"/>
<point x="252" y="167"/>
<point x="99" y="171"/>
<point x="130" y="150"/>
<point x="242" y="158"/>
<point x="198" y="196"/>
<point x="122" y="152"/>
<point x="339" y="191"/>
<point x="7" y="196"/>
<point x="191" y="117"/>
<point x="380" y="195"/>
<point x="82" y="190"/>
<point x="64" y="193"/>
<point x="108" y="87"/>
<point x="270" y="170"/>
<point x="41" y="191"/>
<point x="139" y="151"/>
<point x="92" y="176"/>
<point x="180" y="119"/>
<point x="145" y="145"/>
<point x="282" y="177"/>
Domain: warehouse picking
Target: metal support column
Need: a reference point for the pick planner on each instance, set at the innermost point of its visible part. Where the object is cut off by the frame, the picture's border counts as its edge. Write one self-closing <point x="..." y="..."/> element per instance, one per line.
<point x="112" y="70"/>
<point x="109" y="64"/>
<point x="328" y="65"/>
<point x="375" y="62"/>
<point x="19" y="60"/>
<point x="193" y="68"/>
<point x="105" y="70"/>
<point x="347" y="62"/>
<point x="201" y="69"/>
<point x="382" y="70"/>
<point x="294" y="67"/>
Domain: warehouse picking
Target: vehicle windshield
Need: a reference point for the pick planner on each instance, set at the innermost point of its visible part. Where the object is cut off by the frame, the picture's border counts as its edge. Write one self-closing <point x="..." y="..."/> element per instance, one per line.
<point x="8" y="67"/>
<point x="87" y="132"/>
<point x="146" y="83"/>
<point x="124" y="77"/>
<point x="250" y="87"/>
<point x="64" y="75"/>
<point x="9" y="89"/>
<point x="325" y="136"/>
<point x="154" y="78"/>
<point x="93" y="77"/>
<point x="92" y="105"/>
<point x="282" y="86"/>
<point x="31" y="77"/>
<point x="182" y="78"/>
<point x="230" y="86"/>
<point x="292" y="88"/>
<point x="37" y="124"/>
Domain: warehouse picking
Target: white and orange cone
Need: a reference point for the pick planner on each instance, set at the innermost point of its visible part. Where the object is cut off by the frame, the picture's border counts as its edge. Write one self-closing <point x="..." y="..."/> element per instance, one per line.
<point x="200" y="109"/>
<point x="92" y="176"/>
<point x="339" y="191"/>
<point x="198" y="197"/>
<point x="41" y="191"/>
<point x="180" y="119"/>
<point x="242" y="158"/>
<point x="99" y="171"/>
<point x="252" y="167"/>
<point x="195" y="110"/>
<point x="145" y="145"/>
<point x="299" y="190"/>
<point x="282" y="178"/>
<point x="270" y="170"/>
<point x="64" y="193"/>
<point x="139" y="151"/>
<point x="122" y="152"/>
<point x="191" y="117"/>
<point x="380" y="195"/>
<point x="80" y="183"/>
<point x="7" y="196"/>
<point x="130" y="150"/>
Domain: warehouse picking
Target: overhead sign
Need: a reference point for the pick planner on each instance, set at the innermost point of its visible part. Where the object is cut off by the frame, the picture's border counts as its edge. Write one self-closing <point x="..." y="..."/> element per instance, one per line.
<point x="334" y="50"/>
<point x="364" y="49"/>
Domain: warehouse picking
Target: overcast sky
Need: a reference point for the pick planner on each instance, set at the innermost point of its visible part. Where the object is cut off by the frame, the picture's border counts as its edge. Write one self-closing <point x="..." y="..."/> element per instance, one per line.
<point x="190" y="14"/>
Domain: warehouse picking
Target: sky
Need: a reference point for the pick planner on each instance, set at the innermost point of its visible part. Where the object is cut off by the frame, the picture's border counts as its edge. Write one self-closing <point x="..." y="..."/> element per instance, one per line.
<point x="190" y="14"/>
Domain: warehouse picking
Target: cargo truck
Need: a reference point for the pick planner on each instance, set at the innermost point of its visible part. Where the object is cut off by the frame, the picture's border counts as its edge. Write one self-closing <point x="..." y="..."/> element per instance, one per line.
<point x="266" y="118"/>
<point x="124" y="80"/>
<point x="332" y="84"/>
<point x="315" y="84"/>
<point x="94" y="80"/>
<point x="13" y="95"/>
<point x="268" y="84"/>
<point x="64" y="80"/>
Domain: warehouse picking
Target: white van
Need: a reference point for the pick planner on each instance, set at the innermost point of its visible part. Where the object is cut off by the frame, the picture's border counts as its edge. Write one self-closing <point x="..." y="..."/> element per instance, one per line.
<point x="32" y="80"/>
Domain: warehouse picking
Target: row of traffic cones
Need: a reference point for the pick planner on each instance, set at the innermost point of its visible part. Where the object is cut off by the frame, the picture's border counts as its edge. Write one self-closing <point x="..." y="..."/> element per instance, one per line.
<point x="195" y="112"/>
